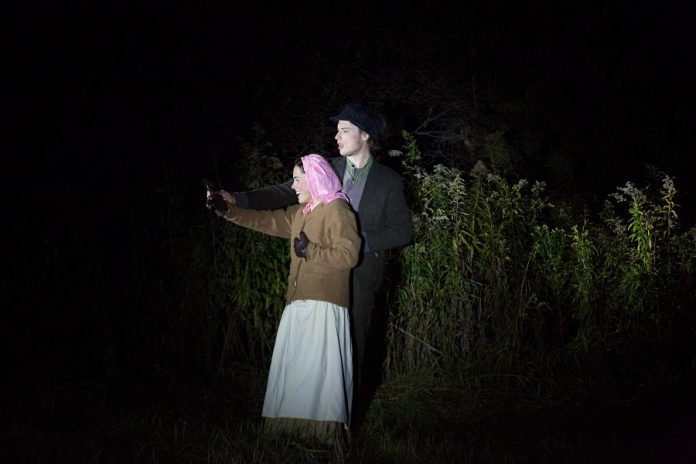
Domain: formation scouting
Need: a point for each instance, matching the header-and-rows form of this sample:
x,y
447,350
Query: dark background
x,y
111,103
115,111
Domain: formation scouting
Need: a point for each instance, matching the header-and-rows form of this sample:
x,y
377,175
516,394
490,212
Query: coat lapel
x,y
371,192
339,166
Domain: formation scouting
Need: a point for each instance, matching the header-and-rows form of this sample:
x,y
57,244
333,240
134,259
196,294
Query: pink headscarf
x,y
322,181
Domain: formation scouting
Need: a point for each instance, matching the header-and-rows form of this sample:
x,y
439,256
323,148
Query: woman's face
x,y
300,186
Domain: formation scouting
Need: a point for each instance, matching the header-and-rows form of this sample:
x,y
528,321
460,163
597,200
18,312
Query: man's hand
x,y
300,245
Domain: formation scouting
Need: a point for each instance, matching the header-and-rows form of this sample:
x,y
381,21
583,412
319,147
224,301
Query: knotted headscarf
x,y
322,181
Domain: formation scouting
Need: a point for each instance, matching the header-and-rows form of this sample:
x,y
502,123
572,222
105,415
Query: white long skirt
x,y
311,374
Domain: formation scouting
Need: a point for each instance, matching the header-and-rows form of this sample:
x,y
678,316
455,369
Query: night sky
x,y
110,101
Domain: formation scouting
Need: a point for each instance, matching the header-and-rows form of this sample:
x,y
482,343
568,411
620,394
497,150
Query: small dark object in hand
x,y
300,245
217,204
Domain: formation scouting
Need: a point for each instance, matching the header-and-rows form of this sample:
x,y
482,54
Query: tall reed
x,y
497,279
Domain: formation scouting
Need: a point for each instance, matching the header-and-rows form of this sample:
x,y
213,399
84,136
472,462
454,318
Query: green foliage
x,y
583,271
496,278
412,154
459,275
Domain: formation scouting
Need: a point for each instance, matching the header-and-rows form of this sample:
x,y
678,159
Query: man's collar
x,y
353,165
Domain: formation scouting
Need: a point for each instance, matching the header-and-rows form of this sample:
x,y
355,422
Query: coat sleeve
x,y
271,197
340,248
275,222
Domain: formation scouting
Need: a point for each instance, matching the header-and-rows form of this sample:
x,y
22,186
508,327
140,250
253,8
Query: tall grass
x,y
498,279
463,290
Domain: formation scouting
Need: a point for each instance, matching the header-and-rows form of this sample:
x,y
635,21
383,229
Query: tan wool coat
x,y
333,250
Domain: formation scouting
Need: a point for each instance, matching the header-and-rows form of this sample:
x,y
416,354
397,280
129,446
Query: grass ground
x,y
416,419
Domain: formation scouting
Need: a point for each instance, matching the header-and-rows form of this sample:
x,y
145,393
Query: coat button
x,y
294,283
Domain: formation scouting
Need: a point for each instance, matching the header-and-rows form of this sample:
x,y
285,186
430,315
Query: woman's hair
x,y
298,163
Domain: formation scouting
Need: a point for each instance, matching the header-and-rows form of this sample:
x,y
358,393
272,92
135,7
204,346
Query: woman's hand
x,y
300,245
229,198
216,203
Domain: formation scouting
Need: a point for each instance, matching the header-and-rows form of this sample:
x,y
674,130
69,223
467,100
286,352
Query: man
x,y
376,195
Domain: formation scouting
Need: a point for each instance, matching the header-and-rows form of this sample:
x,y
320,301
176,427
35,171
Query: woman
x,y
310,382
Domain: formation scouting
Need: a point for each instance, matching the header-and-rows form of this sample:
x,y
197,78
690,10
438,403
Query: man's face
x,y
299,185
349,138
